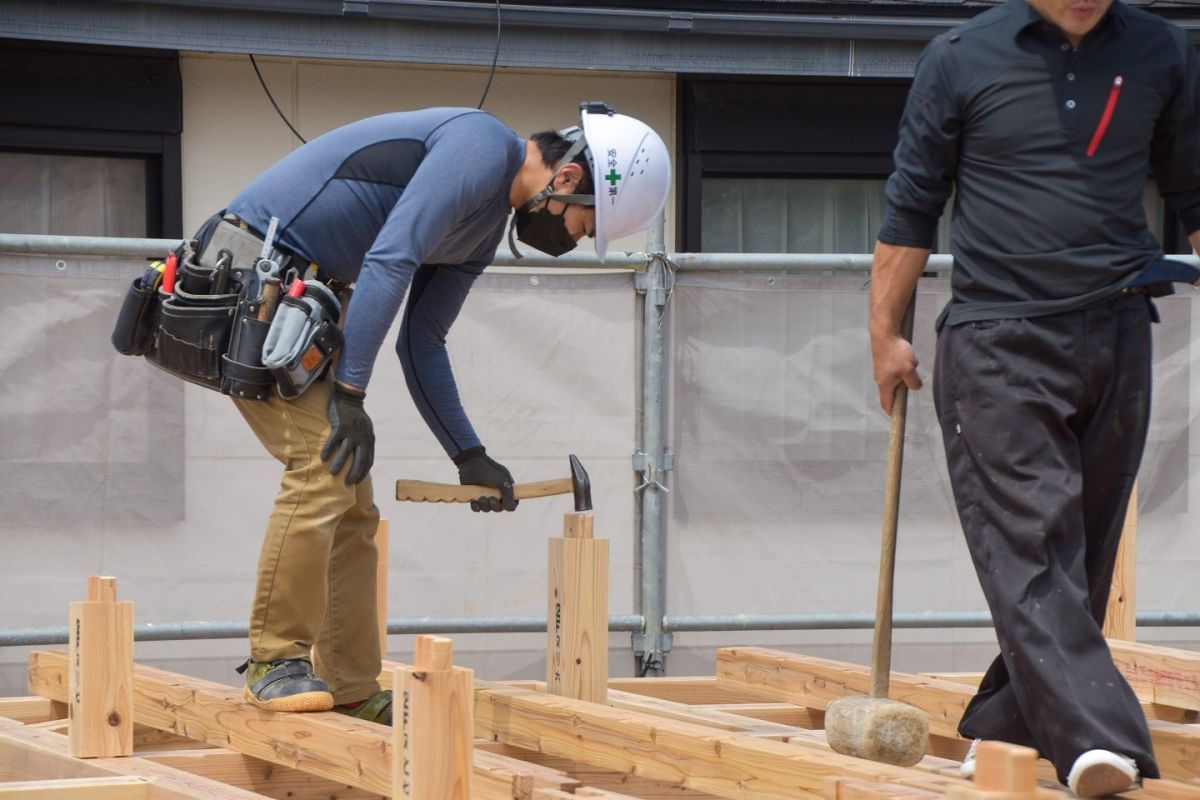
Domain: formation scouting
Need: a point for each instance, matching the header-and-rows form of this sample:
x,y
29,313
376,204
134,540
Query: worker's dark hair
x,y
553,147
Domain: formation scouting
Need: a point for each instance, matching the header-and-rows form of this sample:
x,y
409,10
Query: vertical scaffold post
x,y
652,461
100,674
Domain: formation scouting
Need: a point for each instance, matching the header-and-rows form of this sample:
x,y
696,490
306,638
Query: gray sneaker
x,y
287,684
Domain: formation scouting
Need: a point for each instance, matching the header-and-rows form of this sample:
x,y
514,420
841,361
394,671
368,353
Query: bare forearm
x,y
894,274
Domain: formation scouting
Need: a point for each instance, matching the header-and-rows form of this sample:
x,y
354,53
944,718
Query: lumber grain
x,y
336,747
29,754
807,680
692,756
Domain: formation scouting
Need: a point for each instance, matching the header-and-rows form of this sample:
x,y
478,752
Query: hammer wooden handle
x,y
430,492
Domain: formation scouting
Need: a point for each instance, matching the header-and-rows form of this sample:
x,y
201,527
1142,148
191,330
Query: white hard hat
x,y
631,172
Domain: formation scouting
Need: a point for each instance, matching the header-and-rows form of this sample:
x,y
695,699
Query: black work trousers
x,y
1044,422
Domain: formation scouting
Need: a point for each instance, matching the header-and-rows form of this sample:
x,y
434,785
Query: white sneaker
x,y
967,770
1100,772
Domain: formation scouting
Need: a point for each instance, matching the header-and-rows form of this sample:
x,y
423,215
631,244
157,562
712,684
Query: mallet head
x,y
877,728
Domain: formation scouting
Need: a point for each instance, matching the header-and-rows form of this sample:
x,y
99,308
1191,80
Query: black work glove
x,y
475,467
352,434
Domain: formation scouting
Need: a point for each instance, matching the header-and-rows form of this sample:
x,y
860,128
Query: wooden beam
x,y
1143,688
29,754
1167,790
845,789
693,756
944,753
1162,675
693,691
333,746
812,681
588,775
114,788
781,713
29,710
256,775
1120,616
719,720
577,609
807,680
100,683
432,744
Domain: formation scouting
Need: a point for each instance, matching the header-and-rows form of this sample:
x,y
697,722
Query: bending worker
x,y
410,202
1046,117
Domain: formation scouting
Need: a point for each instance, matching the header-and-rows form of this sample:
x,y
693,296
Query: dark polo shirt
x,y
1048,148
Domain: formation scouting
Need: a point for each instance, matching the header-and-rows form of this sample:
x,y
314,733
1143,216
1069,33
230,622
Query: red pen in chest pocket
x,y
1114,95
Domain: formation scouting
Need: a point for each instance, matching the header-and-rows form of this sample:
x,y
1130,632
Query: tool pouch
x,y
133,333
243,373
303,338
193,334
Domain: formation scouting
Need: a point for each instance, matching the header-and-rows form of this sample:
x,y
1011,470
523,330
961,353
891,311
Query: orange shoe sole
x,y
305,701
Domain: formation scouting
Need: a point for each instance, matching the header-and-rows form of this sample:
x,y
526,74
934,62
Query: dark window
x,y
70,114
785,166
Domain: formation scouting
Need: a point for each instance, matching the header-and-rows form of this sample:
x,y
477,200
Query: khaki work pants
x,y
316,573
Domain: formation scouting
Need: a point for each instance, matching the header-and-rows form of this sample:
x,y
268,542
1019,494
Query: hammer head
x,y
581,485
878,729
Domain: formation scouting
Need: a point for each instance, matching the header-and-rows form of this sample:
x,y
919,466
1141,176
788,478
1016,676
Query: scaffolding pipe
x,y
862,620
699,623
651,462
179,631
855,263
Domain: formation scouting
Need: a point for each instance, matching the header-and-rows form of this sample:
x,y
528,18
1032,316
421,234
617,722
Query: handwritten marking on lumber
x,y
407,744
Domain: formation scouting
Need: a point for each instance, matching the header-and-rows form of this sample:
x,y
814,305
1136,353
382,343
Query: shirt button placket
x,y
1070,115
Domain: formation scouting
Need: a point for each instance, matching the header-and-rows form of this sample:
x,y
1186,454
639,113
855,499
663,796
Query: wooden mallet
x,y
877,727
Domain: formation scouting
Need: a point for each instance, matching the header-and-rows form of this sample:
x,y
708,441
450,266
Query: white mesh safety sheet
x,y
780,454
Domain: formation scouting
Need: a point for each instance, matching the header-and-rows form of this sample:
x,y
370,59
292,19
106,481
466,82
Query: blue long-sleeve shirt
x,y
380,200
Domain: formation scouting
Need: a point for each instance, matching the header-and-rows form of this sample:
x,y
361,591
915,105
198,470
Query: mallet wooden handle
x,y
431,492
881,645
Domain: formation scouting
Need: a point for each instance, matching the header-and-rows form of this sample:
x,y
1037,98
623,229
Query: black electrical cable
x,y
270,97
495,58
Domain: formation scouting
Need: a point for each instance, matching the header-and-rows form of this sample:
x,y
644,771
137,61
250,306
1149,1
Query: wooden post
x,y
381,585
100,678
577,646
1120,618
1003,772
432,756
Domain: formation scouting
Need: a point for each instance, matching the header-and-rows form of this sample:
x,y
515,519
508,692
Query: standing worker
x,y
410,202
1046,117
